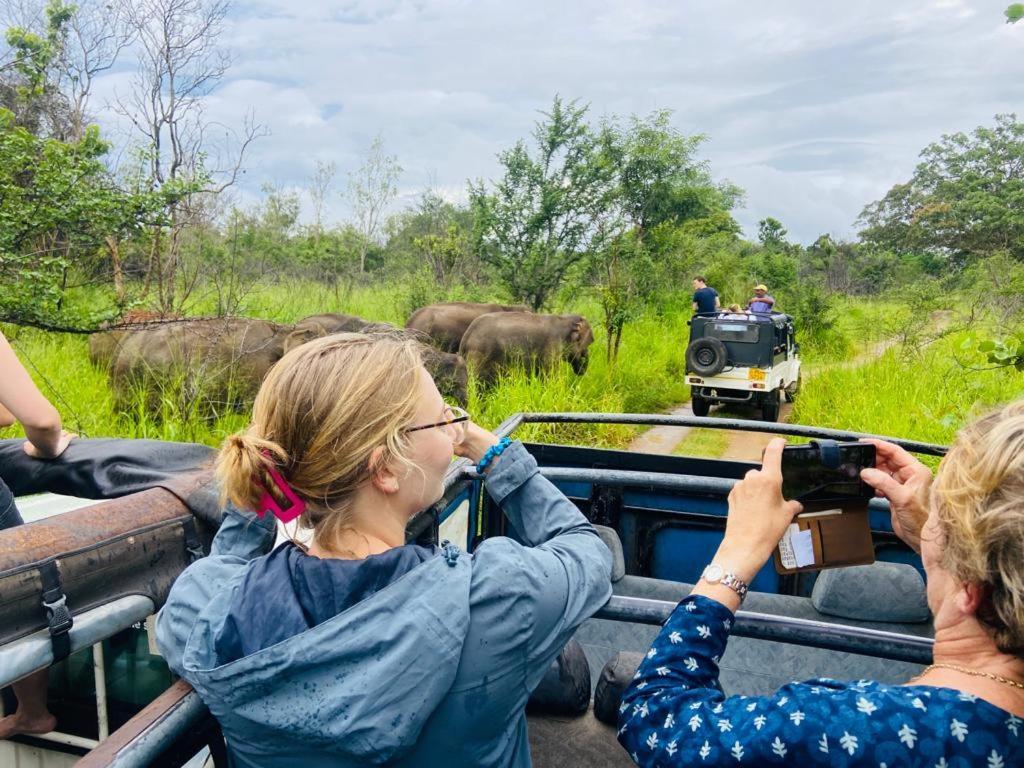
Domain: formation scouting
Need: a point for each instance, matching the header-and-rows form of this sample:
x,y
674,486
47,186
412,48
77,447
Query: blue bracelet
x,y
492,453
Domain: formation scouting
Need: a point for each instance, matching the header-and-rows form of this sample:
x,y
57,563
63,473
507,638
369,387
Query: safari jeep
x,y
750,359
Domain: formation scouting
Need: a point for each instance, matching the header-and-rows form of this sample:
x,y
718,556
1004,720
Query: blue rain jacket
x,y
433,669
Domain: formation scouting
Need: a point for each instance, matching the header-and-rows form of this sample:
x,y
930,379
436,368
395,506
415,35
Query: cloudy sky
x,y
814,108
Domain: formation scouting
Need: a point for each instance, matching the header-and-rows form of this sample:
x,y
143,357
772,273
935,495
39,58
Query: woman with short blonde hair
x,y
363,648
967,708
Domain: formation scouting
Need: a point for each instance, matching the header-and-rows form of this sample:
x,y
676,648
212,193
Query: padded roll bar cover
x,y
129,546
614,543
108,468
565,687
615,678
893,592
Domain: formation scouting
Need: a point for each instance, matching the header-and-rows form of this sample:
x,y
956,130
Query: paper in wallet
x,y
828,538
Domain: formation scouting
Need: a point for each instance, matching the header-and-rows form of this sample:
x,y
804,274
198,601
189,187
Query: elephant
x,y
337,322
104,345
445,324
216,362
496,340
448,370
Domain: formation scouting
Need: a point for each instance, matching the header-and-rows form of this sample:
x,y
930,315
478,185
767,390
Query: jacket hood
x,y
361,684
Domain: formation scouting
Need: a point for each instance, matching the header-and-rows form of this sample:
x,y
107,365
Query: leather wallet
x,y
826,539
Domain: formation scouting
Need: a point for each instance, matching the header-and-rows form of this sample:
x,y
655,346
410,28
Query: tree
x,y
965,199
58,204
660,178
179,63
772,234
58,56
551,207
370,190
319,184
1015,13
660,185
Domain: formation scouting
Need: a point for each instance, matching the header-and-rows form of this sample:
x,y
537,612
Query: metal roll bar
x,y
785,629
148,735
34,652
659,419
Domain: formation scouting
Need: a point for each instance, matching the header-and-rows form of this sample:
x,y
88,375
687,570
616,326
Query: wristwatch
x,y
716,574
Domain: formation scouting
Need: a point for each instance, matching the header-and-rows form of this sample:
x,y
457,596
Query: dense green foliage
x,y
58,208
965,199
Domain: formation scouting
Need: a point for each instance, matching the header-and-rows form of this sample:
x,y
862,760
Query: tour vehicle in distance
x,y
743,358
662,517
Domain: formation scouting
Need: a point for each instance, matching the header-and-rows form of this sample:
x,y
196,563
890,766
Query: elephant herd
x,y
222,361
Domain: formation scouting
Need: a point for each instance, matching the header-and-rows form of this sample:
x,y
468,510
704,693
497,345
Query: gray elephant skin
x,y
445,324
496,341
448,370
218,363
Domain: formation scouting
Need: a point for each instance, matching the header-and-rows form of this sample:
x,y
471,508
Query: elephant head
x,y
580,337
291,336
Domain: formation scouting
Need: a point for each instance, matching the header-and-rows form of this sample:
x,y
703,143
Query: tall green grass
x,y
926,395
923,394
648,375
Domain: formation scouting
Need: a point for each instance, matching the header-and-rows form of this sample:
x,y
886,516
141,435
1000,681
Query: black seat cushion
x,y
615,678
565,687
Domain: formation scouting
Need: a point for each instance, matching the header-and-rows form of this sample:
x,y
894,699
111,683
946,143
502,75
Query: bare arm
x,y
20,398
6,417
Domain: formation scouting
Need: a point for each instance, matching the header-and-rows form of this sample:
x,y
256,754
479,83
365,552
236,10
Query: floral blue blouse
x,y
674,713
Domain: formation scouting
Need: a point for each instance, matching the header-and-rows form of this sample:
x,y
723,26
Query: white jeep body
x,y
735,383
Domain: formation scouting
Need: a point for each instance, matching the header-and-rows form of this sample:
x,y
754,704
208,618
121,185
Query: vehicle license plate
x,y
756,374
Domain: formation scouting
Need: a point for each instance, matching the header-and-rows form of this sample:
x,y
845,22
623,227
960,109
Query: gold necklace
x,y
974,672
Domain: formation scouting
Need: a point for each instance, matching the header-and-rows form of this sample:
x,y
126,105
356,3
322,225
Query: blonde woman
x,y
966,709
365,649
21,401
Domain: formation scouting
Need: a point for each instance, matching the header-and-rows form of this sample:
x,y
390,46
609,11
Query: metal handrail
x,y
785,629
189,710
746,425
34,652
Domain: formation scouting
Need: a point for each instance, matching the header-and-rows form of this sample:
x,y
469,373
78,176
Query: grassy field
x,y
648,375
926,394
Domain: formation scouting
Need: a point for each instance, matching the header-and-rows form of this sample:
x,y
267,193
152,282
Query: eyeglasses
x,y
456,418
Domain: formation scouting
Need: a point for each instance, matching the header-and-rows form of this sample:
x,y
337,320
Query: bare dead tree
x,y
319,185
180,62
370,190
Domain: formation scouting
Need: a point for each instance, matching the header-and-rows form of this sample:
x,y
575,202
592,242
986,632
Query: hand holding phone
x,y
834,529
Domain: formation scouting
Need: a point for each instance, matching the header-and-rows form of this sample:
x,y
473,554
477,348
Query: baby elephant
x,y
495,341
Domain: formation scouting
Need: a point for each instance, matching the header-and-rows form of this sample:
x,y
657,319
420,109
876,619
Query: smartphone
x,y
815,479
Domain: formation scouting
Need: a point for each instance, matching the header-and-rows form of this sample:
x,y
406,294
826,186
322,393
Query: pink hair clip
x,y
268,503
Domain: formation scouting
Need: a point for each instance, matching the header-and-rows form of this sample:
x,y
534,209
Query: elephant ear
x,y
299,335
577,329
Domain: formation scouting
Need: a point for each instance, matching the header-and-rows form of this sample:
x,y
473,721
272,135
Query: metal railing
x,y
510,424
188,711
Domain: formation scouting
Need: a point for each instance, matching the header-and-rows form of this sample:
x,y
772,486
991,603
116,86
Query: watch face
x,y
713,573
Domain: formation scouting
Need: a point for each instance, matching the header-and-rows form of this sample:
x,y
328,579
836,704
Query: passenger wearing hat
x,y
761,302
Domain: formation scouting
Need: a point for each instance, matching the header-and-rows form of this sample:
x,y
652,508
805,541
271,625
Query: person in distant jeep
x,y
705,299
762,302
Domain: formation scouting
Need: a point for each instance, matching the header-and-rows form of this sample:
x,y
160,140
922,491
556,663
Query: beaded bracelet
x,y
492,453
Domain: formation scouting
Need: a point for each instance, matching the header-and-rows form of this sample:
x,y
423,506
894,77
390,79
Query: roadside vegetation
x,y
610,217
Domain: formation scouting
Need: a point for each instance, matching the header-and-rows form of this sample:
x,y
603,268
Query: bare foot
x,y
16,724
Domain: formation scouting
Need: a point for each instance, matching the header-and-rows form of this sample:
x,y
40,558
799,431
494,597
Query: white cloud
x,y
814,108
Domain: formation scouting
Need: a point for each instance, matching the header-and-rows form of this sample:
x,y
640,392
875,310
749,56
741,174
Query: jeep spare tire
x,y
706,357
